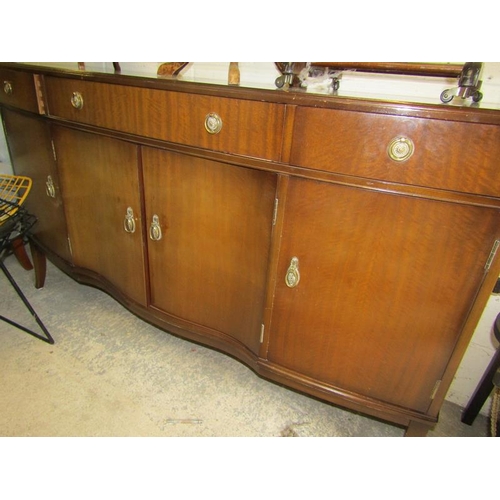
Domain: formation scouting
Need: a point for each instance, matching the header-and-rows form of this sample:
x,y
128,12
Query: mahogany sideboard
x,y
343,247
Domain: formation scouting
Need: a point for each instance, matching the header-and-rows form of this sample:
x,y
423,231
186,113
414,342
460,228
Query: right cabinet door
x,y
209,235
379,286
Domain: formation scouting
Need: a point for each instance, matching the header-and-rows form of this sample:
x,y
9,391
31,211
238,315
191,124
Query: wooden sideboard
x,y
342,247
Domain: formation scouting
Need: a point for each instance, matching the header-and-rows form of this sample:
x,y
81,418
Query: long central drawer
x,y
243,127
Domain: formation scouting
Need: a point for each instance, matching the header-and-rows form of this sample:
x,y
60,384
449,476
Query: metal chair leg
x,y
48,338
486,385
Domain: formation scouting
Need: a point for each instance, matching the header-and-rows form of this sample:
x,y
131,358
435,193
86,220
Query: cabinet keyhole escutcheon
x,y
49,187
77,100
7,87
292,277
129,223
155,229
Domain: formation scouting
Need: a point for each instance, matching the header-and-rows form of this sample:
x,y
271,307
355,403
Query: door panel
x,y
210,265
100,181
386,283
32,156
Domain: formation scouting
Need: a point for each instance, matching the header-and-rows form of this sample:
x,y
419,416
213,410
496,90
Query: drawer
x,y
447,155
18,89
249,128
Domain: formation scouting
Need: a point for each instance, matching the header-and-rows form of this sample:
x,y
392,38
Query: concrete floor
x,y
111,374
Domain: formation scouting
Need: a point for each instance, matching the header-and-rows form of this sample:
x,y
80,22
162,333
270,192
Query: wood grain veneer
x,y
448,155
30,148
23,94
379,295
392,255
249,128
100,180
210,266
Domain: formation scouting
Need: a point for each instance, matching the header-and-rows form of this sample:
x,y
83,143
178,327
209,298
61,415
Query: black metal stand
x,y
486,385
48,338
18,226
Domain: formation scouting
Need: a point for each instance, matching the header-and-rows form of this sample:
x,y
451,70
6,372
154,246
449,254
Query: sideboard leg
x,y
417,429
20,253
40,265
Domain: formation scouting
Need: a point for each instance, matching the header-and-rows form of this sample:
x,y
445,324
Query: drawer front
x,y
248,128
17,88
447,155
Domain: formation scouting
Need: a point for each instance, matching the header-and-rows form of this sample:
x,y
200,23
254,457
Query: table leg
x,y
19,250
417,429
40,265
482,392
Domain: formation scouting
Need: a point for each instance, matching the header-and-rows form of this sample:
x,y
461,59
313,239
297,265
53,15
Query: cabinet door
x,y
32,156
208,265
386,283
100,184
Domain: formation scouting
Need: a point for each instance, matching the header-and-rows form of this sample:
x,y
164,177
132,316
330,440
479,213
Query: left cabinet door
x,y
100,184
32,156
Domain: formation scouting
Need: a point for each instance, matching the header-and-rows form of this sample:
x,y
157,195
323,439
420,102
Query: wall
x,y
477,357
483,344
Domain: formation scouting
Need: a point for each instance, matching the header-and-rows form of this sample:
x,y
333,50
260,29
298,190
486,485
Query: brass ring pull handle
x,y
7,87
213,123
155,229
77,100
292,277
129,222
49,187
400,149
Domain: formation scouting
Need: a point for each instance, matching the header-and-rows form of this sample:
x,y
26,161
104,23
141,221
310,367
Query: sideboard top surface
x,y
464,111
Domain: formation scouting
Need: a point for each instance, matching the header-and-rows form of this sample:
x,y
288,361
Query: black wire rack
x,y
16,223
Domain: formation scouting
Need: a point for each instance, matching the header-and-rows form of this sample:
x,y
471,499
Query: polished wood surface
x,y
32,156
391,255
379,295
448,155
467,113
39,263
100,180
19,251
210,265
249,128
23,94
